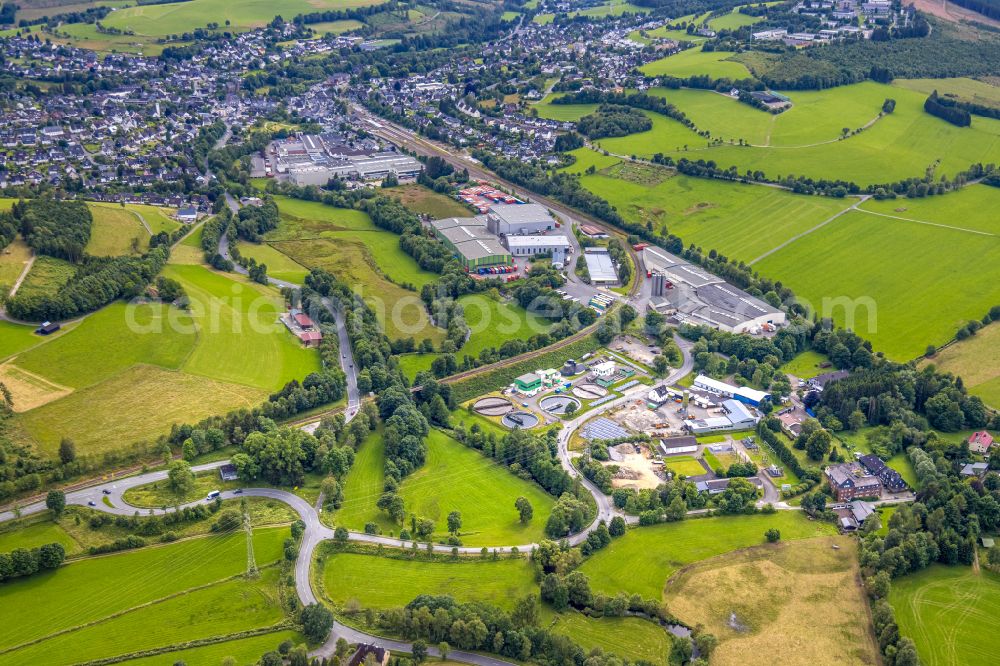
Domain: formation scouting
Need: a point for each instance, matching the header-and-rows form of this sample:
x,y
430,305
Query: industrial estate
x,y
555,332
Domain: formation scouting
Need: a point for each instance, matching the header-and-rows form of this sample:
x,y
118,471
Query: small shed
x,y
47,328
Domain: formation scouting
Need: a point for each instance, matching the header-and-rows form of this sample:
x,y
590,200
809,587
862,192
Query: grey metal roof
x,y
515,214
600,267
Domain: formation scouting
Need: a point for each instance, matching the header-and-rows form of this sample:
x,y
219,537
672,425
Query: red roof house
x,y
980,442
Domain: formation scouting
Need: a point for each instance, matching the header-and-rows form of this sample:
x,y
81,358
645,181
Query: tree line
x,y
55,228
947,110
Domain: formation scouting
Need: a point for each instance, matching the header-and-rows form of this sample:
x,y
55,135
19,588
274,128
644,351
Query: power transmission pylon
x,y
252,571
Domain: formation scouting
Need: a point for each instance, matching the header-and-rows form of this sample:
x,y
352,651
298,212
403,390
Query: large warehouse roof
x,y
537,241
600,266
480,248
515,214
451,222
457,235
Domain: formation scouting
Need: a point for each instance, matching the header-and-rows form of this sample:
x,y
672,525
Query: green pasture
x,y
116,231
414,364
973,208
897,268
631,638
643,560
15,338
120,335
977,361
806,365
178,18
685,465
279,265
159,218
806,139
336,27
93,589
454,478
390,582
562,112
349,245
244,650
34,535
493,322
694,61
733,20
220,609
739,221
946,610
967,89
236,320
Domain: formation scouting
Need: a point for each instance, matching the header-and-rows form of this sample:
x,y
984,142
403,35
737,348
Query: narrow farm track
x,y
930,224
819,226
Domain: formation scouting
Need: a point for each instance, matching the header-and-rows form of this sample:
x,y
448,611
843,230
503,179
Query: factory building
x,y
689,294
735,416
529,246
468,238
600,266
742,393
519,219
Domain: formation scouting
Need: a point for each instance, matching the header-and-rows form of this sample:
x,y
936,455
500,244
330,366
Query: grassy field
x,y
806,139
944,610
797,602
643,560
685,465
977,361
691,62
425,201
739,221
335,27
348,244
628,637
964,88
116,231
46,276
178,18
889,256
454,478
34,535
244,650
92,598
279,265
12,261
174,365
610,9
383,582
733,20
572,112
159,218
236,320
806,365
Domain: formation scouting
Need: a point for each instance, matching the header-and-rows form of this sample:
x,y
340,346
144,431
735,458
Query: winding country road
x,y
316,532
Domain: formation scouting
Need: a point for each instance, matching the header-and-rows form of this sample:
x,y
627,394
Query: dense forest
x,y
989,8
947,110
613,120
57,228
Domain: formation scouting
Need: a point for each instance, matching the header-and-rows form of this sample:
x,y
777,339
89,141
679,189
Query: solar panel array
x,y
603,428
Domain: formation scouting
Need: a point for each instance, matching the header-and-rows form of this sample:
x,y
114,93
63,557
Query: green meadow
x,y
739,221
34,535
348,244
898,268
977,361
694,61
654,553
116,231
389,582
454,478
135,600
946,611
628,637
178,18
243,650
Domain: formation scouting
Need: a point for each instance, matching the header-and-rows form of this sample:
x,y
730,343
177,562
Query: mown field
x,y
178,18
806,365
977,361
792,603
348,244
946,610
454,478
609,9
806,139
173,365
909,284
150,598
739,221
641,561
370,581
694,61
116,231
243,650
